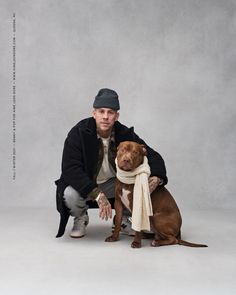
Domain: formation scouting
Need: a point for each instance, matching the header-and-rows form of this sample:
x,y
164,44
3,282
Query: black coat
x,y
80,158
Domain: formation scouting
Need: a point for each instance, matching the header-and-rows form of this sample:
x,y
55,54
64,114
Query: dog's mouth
x,y
125,166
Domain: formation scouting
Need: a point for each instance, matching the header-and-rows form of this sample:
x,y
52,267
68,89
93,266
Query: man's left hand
x,y
153,183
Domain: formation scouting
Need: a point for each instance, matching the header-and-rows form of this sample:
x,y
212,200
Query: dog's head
x,y
130,155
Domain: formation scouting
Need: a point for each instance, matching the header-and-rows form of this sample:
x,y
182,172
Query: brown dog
x,y
166,220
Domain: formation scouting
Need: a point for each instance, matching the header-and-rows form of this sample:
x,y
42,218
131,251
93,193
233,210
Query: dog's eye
x,y
122,150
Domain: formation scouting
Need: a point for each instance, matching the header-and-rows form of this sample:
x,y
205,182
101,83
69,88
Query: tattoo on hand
x,y
102,201
105,207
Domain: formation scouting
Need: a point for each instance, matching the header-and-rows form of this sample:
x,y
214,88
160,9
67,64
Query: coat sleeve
x,y
155,161
73,166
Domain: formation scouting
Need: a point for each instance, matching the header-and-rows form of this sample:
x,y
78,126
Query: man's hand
x,y
153,183
105,210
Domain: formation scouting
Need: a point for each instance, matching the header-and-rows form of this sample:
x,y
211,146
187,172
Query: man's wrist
x,y
161,181
94,194
98,197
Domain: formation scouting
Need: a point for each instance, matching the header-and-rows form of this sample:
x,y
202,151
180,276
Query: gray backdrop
x,y
173,64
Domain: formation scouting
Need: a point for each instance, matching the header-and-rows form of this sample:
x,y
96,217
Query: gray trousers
x,y
77,205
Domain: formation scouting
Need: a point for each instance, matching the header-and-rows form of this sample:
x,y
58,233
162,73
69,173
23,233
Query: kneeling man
x,y
88,165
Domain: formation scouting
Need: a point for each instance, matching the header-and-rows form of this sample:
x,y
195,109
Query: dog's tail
x,y
188,244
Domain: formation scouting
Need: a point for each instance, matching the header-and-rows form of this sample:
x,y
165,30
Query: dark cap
x,y
106,98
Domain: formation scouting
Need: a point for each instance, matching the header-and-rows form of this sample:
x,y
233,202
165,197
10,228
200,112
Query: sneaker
x,y
125,226
127,230
79,228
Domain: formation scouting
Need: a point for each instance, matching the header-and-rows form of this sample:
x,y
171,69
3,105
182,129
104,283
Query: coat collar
x,y
120,132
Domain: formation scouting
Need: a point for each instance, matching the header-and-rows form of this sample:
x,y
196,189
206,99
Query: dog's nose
x,y
126,160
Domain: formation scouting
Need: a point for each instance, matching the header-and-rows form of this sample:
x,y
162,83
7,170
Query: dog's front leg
x,y
118,221
137,240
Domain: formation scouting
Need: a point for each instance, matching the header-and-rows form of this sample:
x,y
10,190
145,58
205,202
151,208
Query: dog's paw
x,y
136,244
154,243
111,239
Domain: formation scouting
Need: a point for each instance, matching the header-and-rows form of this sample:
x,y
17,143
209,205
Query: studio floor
x,y
33,261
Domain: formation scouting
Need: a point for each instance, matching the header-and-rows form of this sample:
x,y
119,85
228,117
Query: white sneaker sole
x,y
77,237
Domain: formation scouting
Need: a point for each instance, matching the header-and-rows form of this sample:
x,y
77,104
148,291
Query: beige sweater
x,y
106,172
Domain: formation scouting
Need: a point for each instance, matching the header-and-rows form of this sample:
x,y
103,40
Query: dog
x,y
166,220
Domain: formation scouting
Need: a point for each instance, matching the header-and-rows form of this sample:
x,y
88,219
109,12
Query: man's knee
x,y
74,202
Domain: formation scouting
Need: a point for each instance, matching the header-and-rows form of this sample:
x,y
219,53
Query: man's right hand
x,y
105,210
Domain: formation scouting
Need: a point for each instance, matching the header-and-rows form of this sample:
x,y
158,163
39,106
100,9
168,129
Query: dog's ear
x,y
118,147
144,150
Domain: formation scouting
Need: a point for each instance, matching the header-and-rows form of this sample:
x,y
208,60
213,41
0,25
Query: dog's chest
x,y
125,199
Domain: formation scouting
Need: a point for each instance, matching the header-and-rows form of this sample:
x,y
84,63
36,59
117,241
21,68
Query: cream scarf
x,y
142,206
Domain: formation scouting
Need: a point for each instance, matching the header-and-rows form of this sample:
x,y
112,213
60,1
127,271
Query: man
x,y
88,164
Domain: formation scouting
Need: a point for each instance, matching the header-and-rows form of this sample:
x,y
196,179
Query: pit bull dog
x,y
166,220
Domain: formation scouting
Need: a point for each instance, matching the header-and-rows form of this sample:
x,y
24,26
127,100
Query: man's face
x,y
105,119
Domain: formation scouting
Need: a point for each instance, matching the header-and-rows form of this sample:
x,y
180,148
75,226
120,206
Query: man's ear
x,y
93,113
144,150
117,116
